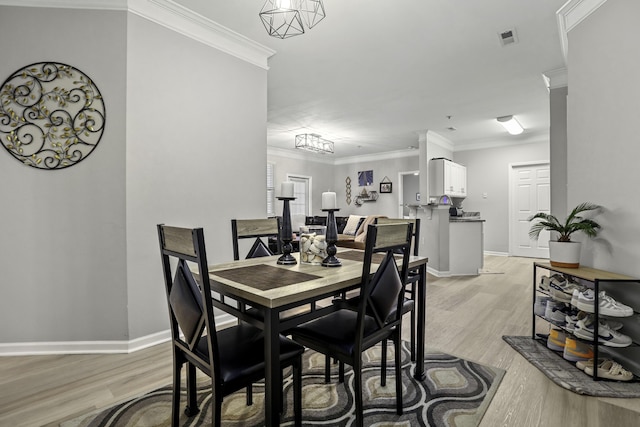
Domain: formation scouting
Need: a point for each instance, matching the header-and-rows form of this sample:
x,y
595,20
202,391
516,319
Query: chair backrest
x,y
190,310
416,230
256,229
384,292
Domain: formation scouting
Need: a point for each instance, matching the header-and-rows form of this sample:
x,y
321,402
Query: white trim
x,y
485,143
439,140
177,18
377,156
554,79
297,154
96,347
571,14
400,190
438,273
496,253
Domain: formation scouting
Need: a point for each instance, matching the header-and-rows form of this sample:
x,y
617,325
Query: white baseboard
x,y
496,253
96,347
438,273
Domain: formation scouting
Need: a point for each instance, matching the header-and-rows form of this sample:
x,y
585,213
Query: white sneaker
x,y
572,319
607,305
585,327
610,370
556,312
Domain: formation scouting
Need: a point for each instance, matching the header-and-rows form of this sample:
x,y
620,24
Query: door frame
x,y
512,200
401,190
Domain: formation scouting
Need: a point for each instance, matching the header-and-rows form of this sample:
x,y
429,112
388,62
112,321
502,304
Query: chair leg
x,y
297,392
398,350
249,395
357,390
175,396
412,342
327,369
341,372
383,364
216,408
192,393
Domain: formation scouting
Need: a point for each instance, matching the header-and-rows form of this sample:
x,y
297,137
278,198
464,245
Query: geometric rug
x,y
456,393
565,374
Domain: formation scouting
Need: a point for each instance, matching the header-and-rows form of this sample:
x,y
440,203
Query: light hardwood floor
x,y
466,316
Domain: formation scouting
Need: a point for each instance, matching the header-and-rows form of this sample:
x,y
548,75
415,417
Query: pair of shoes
x,y
607,305
575,350
545,281
556,339
540,305
562,290
557,312
584,329
610,370
582,364
572,319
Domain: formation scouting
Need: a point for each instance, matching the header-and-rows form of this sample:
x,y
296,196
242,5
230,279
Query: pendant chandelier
x,y
313,142
288,18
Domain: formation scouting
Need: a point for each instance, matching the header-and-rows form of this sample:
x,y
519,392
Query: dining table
x,y
281,297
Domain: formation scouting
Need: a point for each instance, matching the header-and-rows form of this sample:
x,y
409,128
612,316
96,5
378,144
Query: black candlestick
x,y
287,234
332,239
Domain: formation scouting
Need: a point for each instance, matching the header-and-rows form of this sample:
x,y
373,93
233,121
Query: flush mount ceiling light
x,y
511,125
284,18
313,142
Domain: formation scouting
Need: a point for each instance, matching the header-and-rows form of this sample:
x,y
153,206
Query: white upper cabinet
x,y
447,178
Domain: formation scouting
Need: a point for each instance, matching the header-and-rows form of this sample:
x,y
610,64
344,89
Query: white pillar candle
x,y
329,200
286,189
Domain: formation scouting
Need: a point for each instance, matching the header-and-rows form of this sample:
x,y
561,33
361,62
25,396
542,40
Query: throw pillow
x,y
352,225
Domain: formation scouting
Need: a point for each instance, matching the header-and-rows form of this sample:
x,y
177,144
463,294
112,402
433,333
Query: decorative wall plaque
x,y
52,115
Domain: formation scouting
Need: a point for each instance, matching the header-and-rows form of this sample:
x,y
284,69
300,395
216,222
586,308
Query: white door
x,y
530,193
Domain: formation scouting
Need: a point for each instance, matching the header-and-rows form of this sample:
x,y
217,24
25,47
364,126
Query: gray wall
x,y
603,148
558,151
79,249
63,245
387,204
488,172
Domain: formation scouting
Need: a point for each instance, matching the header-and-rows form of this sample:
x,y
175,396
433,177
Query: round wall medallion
x,y
52,115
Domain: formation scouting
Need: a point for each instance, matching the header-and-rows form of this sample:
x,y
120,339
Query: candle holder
x,y
332,239
287,233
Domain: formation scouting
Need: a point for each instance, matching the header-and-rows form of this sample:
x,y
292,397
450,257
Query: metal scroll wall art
x,y
52,115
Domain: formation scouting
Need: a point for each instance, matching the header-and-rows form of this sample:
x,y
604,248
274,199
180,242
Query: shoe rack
x,y
616,285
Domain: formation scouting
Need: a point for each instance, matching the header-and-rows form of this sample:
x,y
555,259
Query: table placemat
x,y
264,277
359,256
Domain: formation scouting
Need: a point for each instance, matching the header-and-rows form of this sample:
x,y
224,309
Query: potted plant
x,y
563,252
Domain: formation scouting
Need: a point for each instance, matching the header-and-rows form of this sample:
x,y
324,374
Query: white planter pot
x,y
564,254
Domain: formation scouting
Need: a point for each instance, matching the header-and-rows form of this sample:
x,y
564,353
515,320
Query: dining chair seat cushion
x,y
242,353
336,331
352,304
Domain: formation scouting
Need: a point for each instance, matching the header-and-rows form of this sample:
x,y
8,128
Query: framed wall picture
x,y
386,187
365,178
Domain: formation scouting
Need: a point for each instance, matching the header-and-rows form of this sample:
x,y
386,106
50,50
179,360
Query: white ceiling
x,y
374,74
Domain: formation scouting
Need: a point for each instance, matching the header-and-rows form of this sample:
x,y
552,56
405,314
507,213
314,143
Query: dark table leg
x,y
419,373
273,389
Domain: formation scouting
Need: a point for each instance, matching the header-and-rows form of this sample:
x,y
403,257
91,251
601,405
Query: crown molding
x,y
554,79
174,17
376,157
297,154
439,140
492,143
571,14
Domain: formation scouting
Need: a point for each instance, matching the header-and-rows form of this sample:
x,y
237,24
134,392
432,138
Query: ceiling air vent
x,y
508,37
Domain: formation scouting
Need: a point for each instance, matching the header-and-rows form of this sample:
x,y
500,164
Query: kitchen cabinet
x,y
447,178
466,247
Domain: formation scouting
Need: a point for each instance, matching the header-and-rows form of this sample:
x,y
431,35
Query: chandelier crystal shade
x,y
284,18
313,142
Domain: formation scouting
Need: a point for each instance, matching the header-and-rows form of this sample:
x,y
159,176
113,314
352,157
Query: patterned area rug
x,y
455,393
565,374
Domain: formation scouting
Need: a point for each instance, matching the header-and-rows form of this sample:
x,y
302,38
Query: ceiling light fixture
x,y
511,124
313,142
284,18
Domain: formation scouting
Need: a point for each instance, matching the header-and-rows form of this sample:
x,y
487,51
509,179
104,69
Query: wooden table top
x,y
262,281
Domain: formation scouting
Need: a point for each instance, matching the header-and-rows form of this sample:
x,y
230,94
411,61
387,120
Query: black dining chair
x,y
258,229
233,357
346,333
413,276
